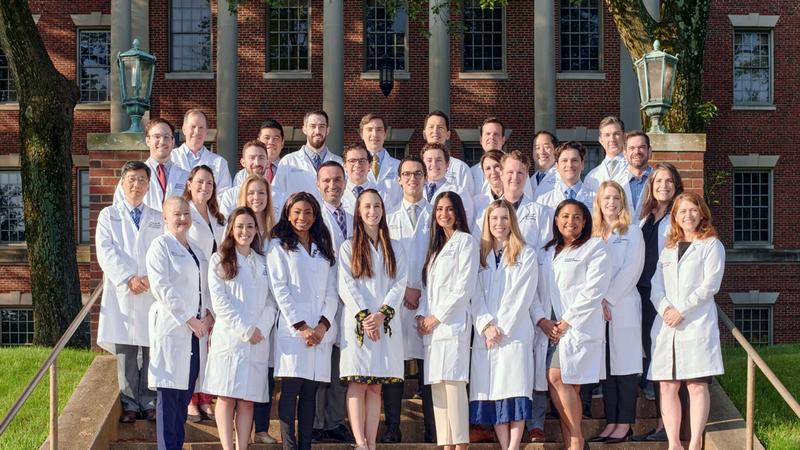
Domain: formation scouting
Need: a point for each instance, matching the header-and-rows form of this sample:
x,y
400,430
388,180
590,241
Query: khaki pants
x,y
451,412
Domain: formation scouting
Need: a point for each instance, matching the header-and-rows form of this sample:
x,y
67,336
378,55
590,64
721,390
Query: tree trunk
x,y
46,102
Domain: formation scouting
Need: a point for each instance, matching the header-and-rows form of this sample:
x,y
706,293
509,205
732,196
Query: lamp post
x,y
136,69
656,73
386,74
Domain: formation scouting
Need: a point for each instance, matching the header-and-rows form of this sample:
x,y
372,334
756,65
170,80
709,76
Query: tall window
x,y
755,322
16,326
385,35
580,35
83,205
751,206
190,36
94,65
12,223
483,38
8,89
287,36
752,67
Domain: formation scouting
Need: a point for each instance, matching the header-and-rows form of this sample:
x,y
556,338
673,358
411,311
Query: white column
x,y
333,72
544,70
120,41
227,143
439,57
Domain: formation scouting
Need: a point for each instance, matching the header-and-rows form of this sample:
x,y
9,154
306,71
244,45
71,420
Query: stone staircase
x,y
141,435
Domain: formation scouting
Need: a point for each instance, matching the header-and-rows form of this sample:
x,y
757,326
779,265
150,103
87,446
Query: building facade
x,y
542,64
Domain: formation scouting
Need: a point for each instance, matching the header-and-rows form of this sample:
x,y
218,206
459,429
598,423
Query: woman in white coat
x,y
302,269
573,282
206,233
501,375
236,371
622,310
491,184
372,281
256,194
449,275
686,346
179,321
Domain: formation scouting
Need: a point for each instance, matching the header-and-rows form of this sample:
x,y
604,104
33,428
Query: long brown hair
x,y
704,229
228,266
515,242
319,233
268,214
649,203
438,238
361,260
624,219
213,207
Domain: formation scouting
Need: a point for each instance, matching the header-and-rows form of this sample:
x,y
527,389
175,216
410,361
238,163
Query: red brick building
x,y
564,73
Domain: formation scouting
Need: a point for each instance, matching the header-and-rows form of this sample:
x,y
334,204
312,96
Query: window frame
x,y
22,241
80,207
396,145
770,321
504,44
583,74
770,103
281,73
770,194
17,308
399,74
78,32
11,81
182,74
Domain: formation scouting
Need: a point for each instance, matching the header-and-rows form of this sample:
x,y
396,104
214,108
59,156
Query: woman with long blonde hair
x,y
502,367
622,311
256,194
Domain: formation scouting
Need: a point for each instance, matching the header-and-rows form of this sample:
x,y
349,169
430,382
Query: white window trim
x,y
101,105
404,74
488,74
756,22
288,74
584,75
189,75
757,299
94,19
758,163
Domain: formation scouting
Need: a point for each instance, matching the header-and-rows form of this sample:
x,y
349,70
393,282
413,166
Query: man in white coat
x,y
124,233
193,152
569,164
271,135
356,166
614,166
383,168
544,153
297,171
492,135
329,420
436,159
167,179
255,162
437,131
637,153
409,224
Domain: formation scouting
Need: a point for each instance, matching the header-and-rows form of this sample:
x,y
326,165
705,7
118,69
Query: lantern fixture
x,y
136,68
386,71
656,73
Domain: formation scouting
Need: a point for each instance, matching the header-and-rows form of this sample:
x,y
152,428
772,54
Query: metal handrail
x,y
51,363
753,360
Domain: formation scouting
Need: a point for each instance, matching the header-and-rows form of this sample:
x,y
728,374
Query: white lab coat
x,y
556,195
228,200
184,159
349,198
386,182
176,184
383,358
548,183
242,173
625,264
176,283
200,235
540,309
459,175
688,285
337,238
304,286
414,241
121,253
535,222
296,173
575,282
465,196
450,286
236,368
503,297
603,171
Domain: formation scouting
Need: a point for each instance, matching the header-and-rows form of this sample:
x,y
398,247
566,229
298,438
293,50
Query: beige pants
x,y
451,412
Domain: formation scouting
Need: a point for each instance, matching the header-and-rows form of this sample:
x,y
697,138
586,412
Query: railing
x,y
51,363
753,360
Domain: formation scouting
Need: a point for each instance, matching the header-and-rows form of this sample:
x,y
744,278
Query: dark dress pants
x,y
171,406
300,395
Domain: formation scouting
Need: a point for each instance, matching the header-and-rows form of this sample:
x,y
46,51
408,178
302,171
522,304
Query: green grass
x,y
776,425
17,366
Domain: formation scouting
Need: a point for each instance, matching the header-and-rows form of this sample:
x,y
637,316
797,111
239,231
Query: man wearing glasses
x,y
356,165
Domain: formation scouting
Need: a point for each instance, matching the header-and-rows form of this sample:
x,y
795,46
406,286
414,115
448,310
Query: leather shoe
x,y
657,436
536,435
316,435
128,417
391,435
626,438
430,435
598,439
339,434
150,415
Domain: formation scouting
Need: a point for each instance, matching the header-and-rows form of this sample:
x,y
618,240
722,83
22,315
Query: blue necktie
x,y
429,190
539,177
136,215
571,194
357,190
340,220
316,161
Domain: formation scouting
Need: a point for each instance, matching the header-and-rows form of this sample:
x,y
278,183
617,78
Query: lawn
x,y
18,364
776,425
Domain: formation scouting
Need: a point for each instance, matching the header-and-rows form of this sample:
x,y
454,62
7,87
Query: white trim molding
x,y
94,19
754,161
754,298
753,20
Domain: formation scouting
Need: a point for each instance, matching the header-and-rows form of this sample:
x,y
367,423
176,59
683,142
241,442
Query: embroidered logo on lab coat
x,y
179,255
572,259
155,225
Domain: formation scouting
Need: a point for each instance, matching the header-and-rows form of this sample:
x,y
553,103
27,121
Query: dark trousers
x,y
171,406
261,411
619,392
393,401
297,394
586,398
648,317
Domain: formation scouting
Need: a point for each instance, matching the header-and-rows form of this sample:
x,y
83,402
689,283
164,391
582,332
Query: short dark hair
x,y
272,123
611,120
316,113
489,120
636,133
131,166
413,159
369,117
553,138
438,113
353,148
571,145
156,121
331,163
519,156
496,155
436,146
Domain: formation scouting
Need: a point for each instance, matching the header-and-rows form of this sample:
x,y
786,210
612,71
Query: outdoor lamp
x,y
656,73
386,69
136,69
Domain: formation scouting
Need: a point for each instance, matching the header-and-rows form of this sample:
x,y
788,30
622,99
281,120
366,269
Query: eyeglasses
x,y
134,180
357,161
407,175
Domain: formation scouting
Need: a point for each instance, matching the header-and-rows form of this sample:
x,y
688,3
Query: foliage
x,y
713,181
777,427
30,427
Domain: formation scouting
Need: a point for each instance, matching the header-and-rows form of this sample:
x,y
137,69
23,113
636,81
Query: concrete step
x,y
545,446
412,431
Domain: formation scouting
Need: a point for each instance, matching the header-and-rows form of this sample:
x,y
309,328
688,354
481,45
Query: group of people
x,y
329,272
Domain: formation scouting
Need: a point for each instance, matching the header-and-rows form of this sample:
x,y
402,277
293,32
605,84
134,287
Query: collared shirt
x,y
576,187
311,153
331,209
194,157
153,163
637,184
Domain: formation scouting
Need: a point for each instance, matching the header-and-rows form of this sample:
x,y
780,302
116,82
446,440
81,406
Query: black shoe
x,y
339,434
598,439
391,435
657,436
626,438
317,435
430,435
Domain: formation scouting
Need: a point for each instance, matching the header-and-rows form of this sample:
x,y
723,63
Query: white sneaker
x,y
264,438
